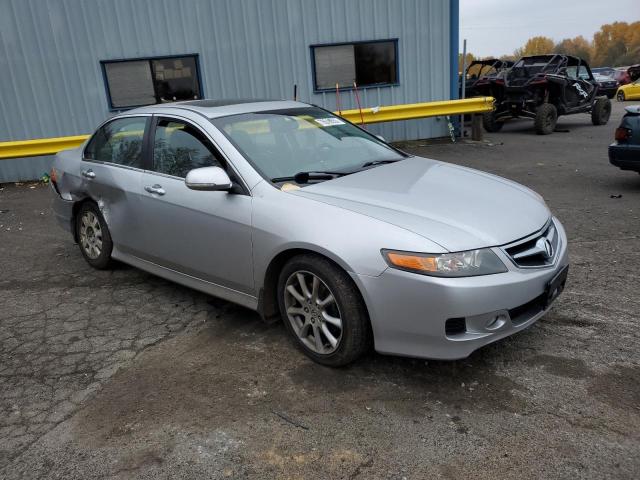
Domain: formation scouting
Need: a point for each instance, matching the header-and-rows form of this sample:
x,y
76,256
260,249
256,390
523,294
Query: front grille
x,y
538,250
455,326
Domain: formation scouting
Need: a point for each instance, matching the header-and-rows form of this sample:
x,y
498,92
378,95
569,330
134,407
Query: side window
x,y
179,147
118,142
572,72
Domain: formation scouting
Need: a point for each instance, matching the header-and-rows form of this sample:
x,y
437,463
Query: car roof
x,y
220,108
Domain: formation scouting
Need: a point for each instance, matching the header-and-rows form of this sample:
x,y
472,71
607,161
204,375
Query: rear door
x,y
111,172
202,234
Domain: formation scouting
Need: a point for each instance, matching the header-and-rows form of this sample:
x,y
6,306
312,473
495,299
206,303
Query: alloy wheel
x,y
313,312
90,235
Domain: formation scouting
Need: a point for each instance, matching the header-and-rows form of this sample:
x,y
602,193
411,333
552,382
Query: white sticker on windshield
x,y
329,122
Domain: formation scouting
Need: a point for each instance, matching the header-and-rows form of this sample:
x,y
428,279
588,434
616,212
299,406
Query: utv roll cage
x,y
528,67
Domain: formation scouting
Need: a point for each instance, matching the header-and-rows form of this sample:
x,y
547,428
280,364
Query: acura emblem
x,y
544,246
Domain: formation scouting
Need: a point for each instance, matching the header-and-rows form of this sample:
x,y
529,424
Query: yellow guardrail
x,y
392,113
413,111
41,146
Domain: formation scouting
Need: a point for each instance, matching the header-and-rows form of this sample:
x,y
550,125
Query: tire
x,y
546,119
93,236
601,111
620,97
305,317
490,124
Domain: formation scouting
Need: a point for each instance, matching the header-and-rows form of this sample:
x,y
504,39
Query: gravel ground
x,y
120,374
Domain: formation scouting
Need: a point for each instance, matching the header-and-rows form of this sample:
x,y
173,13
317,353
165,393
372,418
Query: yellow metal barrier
x,y
412,111
42,146
392,113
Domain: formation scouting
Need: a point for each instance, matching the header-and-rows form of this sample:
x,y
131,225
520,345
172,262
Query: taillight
x,y
622,134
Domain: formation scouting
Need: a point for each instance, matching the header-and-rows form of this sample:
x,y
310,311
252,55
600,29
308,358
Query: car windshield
x,y
283,143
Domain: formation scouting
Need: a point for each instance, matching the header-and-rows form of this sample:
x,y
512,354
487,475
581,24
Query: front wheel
x,y
546,119
620,97
490,124
601,111
323,310
93,235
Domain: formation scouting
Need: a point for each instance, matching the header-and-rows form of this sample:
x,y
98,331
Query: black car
x,y
606,71
543,87
625,151
606,85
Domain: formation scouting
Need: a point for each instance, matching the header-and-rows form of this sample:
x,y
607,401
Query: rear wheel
x,y
620,96
94,238
323,311
546,119
601,111
490,124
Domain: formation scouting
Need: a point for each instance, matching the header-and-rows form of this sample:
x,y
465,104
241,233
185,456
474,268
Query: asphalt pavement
x,y
120,374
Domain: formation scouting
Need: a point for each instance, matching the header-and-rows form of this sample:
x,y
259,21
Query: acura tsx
x,y
292,211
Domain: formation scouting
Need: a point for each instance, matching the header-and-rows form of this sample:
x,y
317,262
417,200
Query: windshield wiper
x,y
304,177
377,162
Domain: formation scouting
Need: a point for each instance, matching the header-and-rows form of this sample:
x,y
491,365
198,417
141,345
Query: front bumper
x,y
409,312
625,156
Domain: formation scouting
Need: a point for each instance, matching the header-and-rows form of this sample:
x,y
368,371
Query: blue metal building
x,y
66,65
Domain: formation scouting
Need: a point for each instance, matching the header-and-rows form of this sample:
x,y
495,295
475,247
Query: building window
x,y
147,81
369,64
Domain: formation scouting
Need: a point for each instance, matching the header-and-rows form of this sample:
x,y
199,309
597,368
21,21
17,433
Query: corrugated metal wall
x,y
51,83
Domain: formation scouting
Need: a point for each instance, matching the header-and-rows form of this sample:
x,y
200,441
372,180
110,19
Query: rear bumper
x,y
625,156
409,312
62,210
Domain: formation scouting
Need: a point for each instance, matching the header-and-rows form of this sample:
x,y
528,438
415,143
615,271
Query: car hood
x,y
456,207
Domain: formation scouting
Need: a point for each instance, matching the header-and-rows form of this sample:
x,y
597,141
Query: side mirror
x,y
212,179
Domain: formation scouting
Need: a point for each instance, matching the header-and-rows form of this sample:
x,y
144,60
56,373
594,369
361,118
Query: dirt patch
x,y
619,388
562,366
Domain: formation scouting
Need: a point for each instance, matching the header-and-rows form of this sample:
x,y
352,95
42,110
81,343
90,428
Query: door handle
x,y
157,189
88,173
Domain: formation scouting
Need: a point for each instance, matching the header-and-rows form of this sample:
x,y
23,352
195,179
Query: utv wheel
x,y
323,311
601,111
490,124
546,119
620,97
94,238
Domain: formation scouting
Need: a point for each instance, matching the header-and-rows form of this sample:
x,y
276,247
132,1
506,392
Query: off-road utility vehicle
x,y
543,87
479,72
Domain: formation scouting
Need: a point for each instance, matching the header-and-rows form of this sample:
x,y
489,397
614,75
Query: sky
x,y
498,27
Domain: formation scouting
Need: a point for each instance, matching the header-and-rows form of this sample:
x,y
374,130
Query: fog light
x,y
496,322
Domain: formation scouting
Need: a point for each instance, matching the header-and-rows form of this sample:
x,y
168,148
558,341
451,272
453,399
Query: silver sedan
x,y
294,212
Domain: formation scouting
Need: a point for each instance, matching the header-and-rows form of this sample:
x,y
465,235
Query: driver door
x,y
581,86
201,234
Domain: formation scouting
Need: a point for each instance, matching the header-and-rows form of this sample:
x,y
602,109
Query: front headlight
x,y
459,264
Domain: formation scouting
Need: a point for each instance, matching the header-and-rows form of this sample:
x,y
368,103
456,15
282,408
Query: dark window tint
x,y
179,148
118,142
375,63
366,63
132,83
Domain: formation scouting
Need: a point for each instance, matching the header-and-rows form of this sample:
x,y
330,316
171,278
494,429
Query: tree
x,y
470,58
578,46
535,46
617,43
